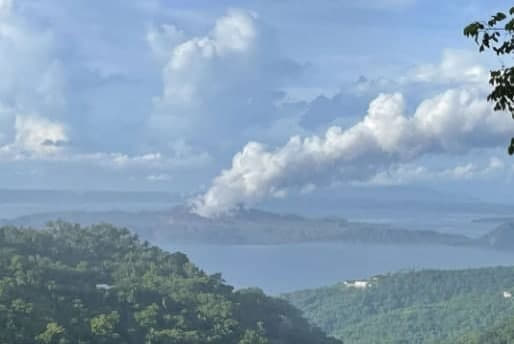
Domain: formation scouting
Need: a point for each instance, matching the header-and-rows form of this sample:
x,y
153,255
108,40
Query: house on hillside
x,y
357,284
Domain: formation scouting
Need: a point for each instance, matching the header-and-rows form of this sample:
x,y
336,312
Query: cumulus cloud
x,y
164,39
32,84
220,86
455,121
35,138
456,66
190,64
38,135
32,76
154,92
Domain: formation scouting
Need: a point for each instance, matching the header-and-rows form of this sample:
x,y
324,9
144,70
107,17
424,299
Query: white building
x,y
357,284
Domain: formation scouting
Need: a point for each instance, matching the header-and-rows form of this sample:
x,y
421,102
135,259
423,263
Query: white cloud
x,y
455,121
32,83
221,87
204,78
114,160
462,172
495,164
35,137
212,86
398,175
163,40
186,75
121,160
413,173
456,66
39,135
41,140
149,160
31,75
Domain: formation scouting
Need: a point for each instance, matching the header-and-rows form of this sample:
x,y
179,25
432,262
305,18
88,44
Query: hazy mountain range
x,y
376,216
251,226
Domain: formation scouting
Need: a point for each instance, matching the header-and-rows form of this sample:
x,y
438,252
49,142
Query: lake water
x,y
282,268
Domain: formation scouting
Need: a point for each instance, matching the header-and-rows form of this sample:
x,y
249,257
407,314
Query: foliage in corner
x,y
497,34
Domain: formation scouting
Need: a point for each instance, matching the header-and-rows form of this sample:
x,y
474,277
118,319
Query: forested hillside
x,y
499,334
414,307
100,284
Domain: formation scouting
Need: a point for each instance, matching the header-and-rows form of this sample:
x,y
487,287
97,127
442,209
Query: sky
x,y
240,102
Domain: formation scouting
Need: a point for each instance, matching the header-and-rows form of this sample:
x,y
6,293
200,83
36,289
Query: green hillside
x,y
100,284
412,307
499,334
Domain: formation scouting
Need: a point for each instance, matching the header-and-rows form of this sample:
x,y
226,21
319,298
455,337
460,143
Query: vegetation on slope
x,y
501,334
100,284
414,307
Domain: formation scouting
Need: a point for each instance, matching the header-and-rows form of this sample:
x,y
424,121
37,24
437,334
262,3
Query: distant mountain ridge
x,y
246,226
502,237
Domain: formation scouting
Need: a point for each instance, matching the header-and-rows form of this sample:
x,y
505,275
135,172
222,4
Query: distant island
x,y
251,226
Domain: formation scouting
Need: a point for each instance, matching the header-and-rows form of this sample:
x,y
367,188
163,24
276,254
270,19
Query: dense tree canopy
x,y
424,307
500,334
497,34
100,284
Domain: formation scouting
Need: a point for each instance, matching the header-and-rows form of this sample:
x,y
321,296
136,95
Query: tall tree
x,y
497,34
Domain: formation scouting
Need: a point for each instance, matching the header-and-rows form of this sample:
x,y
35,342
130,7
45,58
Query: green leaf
x,y
500,16
510,25
472,29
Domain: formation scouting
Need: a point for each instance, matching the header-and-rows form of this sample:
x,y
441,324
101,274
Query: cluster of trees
x,y
100,284
500,334
412,307
497,34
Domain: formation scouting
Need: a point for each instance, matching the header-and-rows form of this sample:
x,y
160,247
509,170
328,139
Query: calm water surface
x,y
282,268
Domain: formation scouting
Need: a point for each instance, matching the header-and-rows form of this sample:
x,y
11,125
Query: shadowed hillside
x,y
100,284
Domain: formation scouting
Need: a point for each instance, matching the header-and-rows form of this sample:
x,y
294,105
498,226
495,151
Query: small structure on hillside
x,y
104,286
357,284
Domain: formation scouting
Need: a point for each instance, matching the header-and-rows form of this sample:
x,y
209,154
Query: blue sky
x,y
164,95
